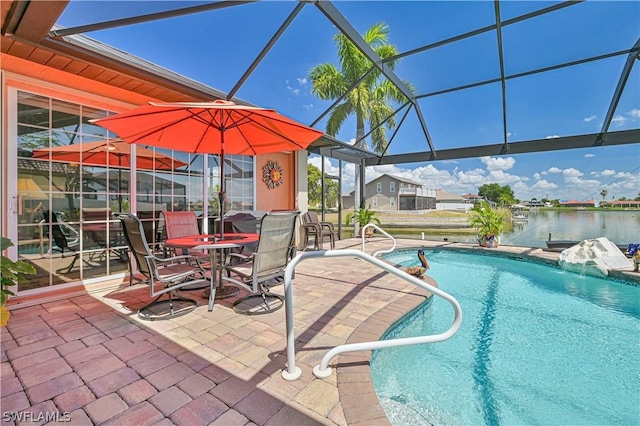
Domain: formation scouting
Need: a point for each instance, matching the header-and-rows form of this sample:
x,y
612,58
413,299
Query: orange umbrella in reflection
x,y
113,153
218,127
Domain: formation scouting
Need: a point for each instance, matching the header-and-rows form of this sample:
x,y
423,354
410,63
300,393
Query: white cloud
x,y
571,173
554,170
537,176
635,113
494,163
307,106
552,137
302,81
607,172
502,178
589,155
293,90
618,120
544,184
590,118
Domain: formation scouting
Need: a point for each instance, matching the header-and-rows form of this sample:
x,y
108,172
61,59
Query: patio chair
x,y
320,230
63,243
182,224
245,223
174,273
266,264
185,224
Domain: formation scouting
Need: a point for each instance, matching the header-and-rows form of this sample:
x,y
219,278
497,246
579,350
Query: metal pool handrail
x,y
323,370
373,225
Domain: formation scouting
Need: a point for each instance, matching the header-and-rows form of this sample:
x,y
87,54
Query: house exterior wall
x,y
383,199
280,197
446,205
63,88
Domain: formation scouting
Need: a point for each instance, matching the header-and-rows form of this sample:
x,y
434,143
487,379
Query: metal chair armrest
x,y
190,270
186,258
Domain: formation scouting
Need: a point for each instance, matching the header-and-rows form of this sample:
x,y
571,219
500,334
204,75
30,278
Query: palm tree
x,y
368,100
603,194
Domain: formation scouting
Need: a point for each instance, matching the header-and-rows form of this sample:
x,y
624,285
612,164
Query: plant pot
x,y
4,315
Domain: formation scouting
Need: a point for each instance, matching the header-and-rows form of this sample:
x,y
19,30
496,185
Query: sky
x,y
217,47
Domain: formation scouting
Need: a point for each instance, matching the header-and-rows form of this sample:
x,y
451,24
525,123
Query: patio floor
x,y
91,357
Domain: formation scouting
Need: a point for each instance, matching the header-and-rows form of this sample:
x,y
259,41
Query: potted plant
x,y
362,217
487,222
10,274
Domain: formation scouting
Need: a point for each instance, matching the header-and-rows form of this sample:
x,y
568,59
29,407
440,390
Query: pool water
x,y
537,345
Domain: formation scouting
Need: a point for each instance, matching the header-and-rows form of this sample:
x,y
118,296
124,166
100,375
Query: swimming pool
x,y
537,345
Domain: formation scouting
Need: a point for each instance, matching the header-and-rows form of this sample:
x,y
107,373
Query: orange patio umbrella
x,y
219,127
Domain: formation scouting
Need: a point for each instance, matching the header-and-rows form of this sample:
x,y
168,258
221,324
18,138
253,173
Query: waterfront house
x,y
627,204
576,203
388,192
448,201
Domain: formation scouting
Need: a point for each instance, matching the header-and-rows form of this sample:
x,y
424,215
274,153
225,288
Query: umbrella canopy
x,y
218,127
113,153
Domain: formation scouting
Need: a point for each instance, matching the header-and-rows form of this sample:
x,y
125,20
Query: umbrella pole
x,y
223,292
221,193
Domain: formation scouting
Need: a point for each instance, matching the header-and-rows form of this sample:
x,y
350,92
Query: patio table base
x,y
222,293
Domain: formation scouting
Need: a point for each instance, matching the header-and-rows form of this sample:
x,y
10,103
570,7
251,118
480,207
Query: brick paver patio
x,y
92,361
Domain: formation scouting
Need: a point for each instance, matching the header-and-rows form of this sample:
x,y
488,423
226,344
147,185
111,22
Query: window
x,y
85,192
374,202
379,187
392,202
392,187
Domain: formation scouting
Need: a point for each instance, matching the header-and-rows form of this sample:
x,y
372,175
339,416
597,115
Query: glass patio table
x,y
212,243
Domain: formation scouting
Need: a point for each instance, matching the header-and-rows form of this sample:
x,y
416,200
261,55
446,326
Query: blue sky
x,y
217,47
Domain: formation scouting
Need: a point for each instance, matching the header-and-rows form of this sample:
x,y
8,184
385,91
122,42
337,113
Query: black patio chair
x,y
173,273
265,266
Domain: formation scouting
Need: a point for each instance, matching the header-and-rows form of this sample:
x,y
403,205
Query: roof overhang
x,y
330,147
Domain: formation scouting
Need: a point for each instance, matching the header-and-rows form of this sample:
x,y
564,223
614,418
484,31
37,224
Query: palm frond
x,y
337,117
327,82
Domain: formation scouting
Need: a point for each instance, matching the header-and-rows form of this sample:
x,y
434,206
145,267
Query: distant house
x,y
534,203
621,203
576,203
448,201
475,198
388,192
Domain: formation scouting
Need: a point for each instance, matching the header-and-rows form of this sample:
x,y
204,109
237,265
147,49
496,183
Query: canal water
x,y
621,227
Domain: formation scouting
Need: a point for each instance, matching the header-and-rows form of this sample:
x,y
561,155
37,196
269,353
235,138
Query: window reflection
x,y
85,192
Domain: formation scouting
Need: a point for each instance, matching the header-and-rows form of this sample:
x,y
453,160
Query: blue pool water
x,y
537,345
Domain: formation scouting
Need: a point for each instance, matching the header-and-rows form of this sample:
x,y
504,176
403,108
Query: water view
x,y
621,227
